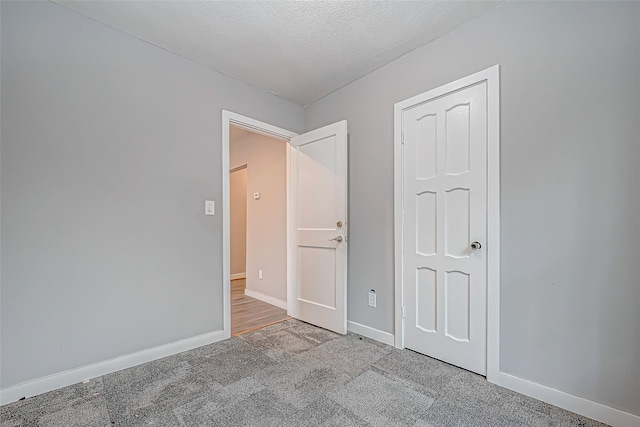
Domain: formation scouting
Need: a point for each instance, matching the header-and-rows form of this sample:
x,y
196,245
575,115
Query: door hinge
x,y
404,312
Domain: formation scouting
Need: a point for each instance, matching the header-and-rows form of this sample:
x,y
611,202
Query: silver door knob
x,y
475,246
337,239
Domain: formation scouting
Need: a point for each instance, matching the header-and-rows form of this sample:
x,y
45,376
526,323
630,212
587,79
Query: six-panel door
x,y
445,212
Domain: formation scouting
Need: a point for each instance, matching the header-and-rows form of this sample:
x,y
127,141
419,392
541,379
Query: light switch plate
x,y
209,207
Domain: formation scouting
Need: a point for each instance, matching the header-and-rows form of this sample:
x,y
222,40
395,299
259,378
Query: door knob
x,y
475,246
337,239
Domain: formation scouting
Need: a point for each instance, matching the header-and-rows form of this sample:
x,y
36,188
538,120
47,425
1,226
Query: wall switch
x,y
260,274
256,196
209,207
372,298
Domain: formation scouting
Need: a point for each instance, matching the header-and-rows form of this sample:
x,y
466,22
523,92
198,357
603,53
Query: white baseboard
x,y
74,376
236,276
579,405
266,298
369,332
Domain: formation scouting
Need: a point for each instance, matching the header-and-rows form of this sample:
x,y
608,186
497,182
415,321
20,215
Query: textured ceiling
x,y
298,50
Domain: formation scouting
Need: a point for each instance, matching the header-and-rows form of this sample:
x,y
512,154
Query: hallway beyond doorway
x,y
248,314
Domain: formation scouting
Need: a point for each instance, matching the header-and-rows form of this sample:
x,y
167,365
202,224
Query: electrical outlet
x,y
372,298
260,274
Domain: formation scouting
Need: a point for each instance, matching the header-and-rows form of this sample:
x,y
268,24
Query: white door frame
x,y
492,78
229,118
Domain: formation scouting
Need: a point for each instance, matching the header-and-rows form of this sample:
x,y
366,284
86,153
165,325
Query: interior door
x,y
445,227
319,227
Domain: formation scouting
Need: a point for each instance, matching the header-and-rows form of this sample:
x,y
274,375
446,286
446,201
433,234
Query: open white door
x,y
318,294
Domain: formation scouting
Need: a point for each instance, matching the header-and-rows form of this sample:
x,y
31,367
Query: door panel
x,y
444,208
316,176
316,269
426,225
319,204
456,219
456,295
426,299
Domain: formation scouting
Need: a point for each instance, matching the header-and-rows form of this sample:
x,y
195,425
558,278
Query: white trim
x,y
369,332
226,228
289,247
229,118
398,259
578,405
266,298
493,221
237,276
492,77
84,373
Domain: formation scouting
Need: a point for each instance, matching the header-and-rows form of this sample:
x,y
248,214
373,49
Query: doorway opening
x,y
255,161
315,218
258,229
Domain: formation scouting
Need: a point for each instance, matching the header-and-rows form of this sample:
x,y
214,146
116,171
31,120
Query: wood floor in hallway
x,y
248,314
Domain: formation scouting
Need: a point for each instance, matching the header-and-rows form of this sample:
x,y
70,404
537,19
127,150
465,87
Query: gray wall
x,y
570,190
238,221
109,148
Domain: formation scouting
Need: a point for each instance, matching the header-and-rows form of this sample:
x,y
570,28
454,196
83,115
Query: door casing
x,y
229,118
492,78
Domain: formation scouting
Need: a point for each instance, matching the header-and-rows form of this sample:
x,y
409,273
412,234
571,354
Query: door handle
x,y
475,246
337,239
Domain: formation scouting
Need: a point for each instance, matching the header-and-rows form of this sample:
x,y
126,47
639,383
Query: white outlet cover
x,y
209,207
